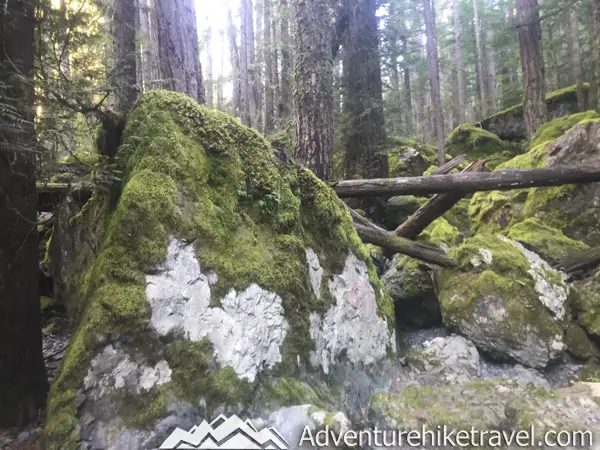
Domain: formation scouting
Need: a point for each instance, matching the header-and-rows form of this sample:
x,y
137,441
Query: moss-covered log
x,y
503,180
404,246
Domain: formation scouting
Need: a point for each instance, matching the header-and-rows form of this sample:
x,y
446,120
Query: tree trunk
x,y
404,246
269,70
364,133
236,68
276,86
491,68
244,70
407,89
178,48
576,63
149,41
434,79
125,72
220,93
459,61
257,121
597,48
504,180
479,62
285,105
209,69
535,111
313,87
251,63
23,383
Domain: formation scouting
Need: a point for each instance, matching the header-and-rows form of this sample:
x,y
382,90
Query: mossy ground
x,y
196,173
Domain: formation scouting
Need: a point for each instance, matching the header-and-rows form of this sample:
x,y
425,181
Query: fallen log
x,y
435,207
466,183
404,246
452,164
580,262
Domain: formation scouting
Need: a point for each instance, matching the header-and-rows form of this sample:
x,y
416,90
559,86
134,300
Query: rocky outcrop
x,y
489,405
225,280
507,300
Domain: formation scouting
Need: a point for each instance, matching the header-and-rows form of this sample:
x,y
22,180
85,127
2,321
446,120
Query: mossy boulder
x,y
508,125
410,284
579,344
221,269
400,208
505,299
486,405
586,305
407,157
476,143
441,233
550,243
573,209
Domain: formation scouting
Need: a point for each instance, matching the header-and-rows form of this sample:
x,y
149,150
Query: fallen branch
x,y
50,194
435,207
452,164
466,183
404,246
580,262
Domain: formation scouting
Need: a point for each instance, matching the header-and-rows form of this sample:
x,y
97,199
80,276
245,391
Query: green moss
x,y
474,141
440,232
557,127
46,302
550,243
430,170
196,173
398,145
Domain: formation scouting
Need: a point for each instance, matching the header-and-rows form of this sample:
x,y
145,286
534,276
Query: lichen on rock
x,y
211,234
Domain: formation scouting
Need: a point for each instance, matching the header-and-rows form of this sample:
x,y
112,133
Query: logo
x,y
225,433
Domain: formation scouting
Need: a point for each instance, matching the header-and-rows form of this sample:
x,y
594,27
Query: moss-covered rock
x,y
586,304
477,143
557,127
407,157
400,208
550,243
509,125
211,234
441,233
579,344
486,405
506,300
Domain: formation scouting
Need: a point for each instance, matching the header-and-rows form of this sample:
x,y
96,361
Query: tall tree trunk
x,y
220,93
258,67
209,69
251,64
434,78
313,87
23,383
491,67
269,70
178,47
459,62
364,133
275,63
124,79
244,69
285,105
237,74
479,62
149,41
535,111
407,88
576,63
396,122
597,49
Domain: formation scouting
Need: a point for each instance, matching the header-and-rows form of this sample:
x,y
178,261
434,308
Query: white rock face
x,y
246,331
552,295
486,256
315,271
114,369
352,325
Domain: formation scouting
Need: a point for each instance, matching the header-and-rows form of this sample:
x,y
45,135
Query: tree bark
x,y
313,87
407,89
535,111
178,48
459,61
125,72
220,93
209,69
465,183
285,105
269,70
597,49
236,69
404,246
244,71
479,62
434,79
23,383
576,62
149,40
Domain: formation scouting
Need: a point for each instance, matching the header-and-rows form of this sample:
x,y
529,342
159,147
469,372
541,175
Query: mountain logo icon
x,y
225,433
